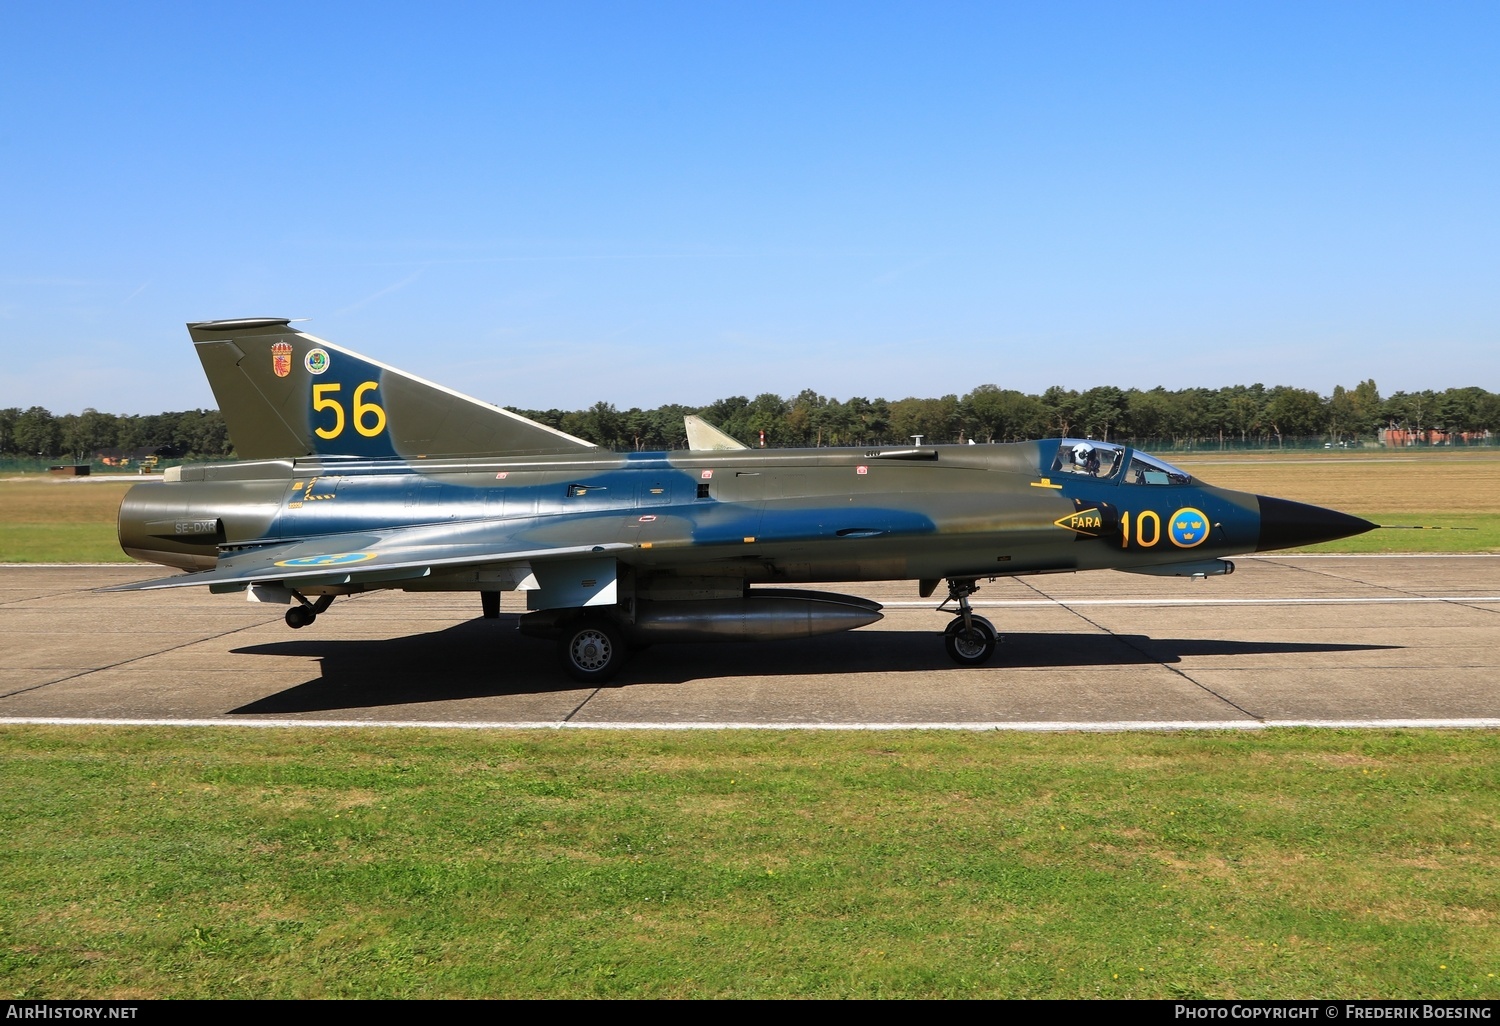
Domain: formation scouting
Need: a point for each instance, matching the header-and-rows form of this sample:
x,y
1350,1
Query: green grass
x,y
1456,532
298,863
60,543
50,520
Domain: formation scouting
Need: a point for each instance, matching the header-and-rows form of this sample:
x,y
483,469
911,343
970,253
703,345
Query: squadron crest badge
x,y
316,361
281,359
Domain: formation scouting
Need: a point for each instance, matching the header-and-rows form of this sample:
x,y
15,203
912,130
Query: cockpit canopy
x,y
1105,461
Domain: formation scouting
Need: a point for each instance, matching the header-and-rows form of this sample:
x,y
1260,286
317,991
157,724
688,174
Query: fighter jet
x,y
354,476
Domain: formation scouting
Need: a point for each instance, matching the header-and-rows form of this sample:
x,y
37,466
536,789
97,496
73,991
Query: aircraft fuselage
x,y
351,483
795,515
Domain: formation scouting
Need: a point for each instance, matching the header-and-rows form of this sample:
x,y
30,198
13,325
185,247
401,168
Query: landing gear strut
x,y
970,639
305,612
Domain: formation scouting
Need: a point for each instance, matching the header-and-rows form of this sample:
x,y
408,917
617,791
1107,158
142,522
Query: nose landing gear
x,y
305,612
969,639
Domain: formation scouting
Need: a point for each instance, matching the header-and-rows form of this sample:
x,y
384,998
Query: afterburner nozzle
x,y
1285,524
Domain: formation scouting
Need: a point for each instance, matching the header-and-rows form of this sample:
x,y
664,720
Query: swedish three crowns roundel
x,y
1188,528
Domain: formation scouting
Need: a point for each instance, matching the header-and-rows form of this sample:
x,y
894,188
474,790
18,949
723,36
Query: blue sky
x,y
547,205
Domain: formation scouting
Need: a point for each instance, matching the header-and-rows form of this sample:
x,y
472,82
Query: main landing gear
x,y
970,639
305,612
592,649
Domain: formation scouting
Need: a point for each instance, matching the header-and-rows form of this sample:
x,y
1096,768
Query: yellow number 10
x,y
1143,518
369,418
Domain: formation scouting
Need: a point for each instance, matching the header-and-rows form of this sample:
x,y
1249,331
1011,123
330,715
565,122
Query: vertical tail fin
x,y
703,435
286,393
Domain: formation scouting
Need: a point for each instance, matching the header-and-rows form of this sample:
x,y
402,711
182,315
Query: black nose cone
x,y
1285,525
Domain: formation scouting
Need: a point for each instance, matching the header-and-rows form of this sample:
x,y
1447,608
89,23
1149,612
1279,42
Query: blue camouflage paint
x,y
367,501
1231,525
348,373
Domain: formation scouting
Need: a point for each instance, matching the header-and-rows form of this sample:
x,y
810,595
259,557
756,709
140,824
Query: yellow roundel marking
x,y
1188,528
333,559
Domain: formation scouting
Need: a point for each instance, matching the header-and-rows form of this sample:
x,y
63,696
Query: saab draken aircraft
x,y
354,476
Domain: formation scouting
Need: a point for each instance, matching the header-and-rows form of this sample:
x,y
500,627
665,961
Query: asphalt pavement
x,y
1288,639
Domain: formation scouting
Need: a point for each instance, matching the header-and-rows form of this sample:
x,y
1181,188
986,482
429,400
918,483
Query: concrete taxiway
x,y
1288,639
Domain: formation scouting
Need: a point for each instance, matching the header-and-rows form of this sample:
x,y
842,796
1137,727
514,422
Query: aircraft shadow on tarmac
x,y
489,658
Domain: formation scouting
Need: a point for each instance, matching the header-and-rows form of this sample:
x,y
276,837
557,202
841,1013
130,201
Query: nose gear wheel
x,y
969,639
970,644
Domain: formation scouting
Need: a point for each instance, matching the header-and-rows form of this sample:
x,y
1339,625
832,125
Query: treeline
x,y
37,433
1241,414
1244,414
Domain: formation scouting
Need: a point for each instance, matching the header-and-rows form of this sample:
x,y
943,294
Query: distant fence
x,y
1304,444
1157,445
96,468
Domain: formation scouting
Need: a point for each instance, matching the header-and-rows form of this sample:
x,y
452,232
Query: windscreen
x,y
1149,470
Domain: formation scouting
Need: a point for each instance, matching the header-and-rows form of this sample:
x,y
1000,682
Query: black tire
x,y
592,649
973,646
299,617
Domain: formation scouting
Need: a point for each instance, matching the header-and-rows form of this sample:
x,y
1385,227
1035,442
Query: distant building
x,y
1397,437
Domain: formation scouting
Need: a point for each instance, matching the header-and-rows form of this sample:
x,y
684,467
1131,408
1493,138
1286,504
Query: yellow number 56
x,y
369,418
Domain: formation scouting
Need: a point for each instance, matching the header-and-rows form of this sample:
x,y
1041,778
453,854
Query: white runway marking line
x,y
1082,726
1399,600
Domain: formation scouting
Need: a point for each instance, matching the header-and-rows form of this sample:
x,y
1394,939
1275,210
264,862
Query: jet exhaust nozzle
x,y
157,525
